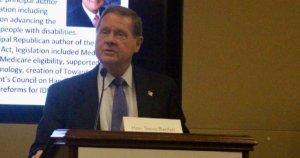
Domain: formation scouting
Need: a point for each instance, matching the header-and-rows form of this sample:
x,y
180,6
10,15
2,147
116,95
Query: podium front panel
x,y
84,152
66,143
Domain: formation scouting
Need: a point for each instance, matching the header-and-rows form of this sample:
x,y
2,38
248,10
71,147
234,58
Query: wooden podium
x,y
102,144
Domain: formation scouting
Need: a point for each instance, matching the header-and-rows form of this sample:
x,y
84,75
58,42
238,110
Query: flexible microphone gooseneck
x,y
103,73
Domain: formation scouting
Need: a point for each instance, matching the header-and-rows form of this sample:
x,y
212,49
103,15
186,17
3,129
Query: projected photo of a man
x,y
86,13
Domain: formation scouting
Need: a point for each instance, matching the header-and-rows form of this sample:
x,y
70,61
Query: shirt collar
x,y
127,76
89,13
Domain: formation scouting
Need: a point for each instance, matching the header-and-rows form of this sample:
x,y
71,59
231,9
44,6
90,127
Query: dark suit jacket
x,y
72,103
78,17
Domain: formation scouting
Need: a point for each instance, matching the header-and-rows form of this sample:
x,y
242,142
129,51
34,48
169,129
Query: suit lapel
x,y
88,95
143,92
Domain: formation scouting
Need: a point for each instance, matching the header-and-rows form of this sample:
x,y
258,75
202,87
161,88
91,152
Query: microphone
x,y
103,73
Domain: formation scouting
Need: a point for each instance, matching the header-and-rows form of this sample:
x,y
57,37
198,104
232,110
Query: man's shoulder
x,y
78,17
151,76
75,81
76,11
147,72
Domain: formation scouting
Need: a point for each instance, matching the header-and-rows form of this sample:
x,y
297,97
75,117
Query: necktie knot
x,y
96,21
119,81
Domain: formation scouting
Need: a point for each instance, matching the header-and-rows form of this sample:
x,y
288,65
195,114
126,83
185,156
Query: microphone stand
x,y
103,73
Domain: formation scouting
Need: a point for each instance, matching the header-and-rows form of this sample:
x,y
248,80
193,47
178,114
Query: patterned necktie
x,y
96,21
119,104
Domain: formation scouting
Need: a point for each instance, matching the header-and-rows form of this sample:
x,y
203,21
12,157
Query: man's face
x,y
93,5
115,42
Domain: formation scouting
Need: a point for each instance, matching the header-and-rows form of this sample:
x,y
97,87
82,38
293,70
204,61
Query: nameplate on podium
x,y
154,125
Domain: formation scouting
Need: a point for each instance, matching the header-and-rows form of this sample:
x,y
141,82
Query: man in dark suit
x,y
85,14
73,103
